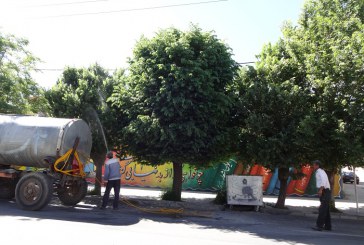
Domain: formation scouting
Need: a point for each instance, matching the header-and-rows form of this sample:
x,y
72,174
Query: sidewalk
x,y
203,202
305,206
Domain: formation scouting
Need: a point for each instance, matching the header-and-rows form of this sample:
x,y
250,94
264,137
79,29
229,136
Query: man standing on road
x,y
323,185
112,175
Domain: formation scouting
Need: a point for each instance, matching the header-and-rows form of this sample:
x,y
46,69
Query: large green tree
x,y
273,99
177,100
83,93
331,34
314,75
19,92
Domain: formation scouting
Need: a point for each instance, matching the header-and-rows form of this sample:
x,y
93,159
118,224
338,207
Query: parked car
x,y
349,177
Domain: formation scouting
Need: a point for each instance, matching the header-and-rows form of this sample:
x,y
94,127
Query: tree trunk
x,y
99,159
283,174
177,180
331,177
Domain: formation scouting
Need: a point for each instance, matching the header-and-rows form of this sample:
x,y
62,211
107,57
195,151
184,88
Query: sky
x,y
79,33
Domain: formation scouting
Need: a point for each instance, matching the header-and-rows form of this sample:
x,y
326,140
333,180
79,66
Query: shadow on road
x,y
79,213
282,227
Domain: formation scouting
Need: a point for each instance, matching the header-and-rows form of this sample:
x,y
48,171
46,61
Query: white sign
x,y
244,190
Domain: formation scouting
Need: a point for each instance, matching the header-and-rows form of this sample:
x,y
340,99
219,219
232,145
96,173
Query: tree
x,y
177,101
322,57
19,92
114,120
331,33
272,103
83,93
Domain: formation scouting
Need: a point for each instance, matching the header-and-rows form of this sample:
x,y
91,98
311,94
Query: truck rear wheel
x,y
33,191
73,192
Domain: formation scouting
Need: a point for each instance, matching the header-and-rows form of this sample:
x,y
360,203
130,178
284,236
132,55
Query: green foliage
x,y
19,93
305,98
83,93
272,100
331,34
176,99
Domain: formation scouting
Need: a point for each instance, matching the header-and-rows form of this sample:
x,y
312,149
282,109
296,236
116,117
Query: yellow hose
x,y
73,172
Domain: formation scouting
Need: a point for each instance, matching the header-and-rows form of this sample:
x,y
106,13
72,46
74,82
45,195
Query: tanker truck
x,y
55,149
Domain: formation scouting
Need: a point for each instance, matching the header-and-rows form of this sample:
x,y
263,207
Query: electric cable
x,y
67,3
134,9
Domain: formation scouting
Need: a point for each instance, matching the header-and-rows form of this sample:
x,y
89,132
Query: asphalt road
x,y
86,224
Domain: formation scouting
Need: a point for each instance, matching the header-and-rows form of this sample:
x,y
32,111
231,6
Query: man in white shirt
x,y
323,185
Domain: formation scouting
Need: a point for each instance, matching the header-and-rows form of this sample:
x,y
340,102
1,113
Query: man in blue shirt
x,y
112,175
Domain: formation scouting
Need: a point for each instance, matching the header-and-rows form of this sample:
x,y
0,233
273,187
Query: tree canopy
x,y
332,39
19,92
319,65
177,101
272,102
304,100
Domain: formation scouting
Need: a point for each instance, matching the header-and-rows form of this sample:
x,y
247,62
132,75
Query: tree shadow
x,y
276,227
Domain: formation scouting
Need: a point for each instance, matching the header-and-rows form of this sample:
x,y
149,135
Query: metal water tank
x,y
28,140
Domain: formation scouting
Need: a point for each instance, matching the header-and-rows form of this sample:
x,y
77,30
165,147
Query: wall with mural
x,y
204,179
213,178
302,187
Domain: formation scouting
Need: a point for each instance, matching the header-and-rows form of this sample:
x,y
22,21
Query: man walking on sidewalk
x,y
323,185
112,175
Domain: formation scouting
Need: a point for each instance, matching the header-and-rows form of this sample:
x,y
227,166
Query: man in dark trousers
x,y
323,185
112,175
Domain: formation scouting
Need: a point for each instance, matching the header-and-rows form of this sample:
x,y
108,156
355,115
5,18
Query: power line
x,y
49,69
137,9
67,3
62,69
113,69
246,63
